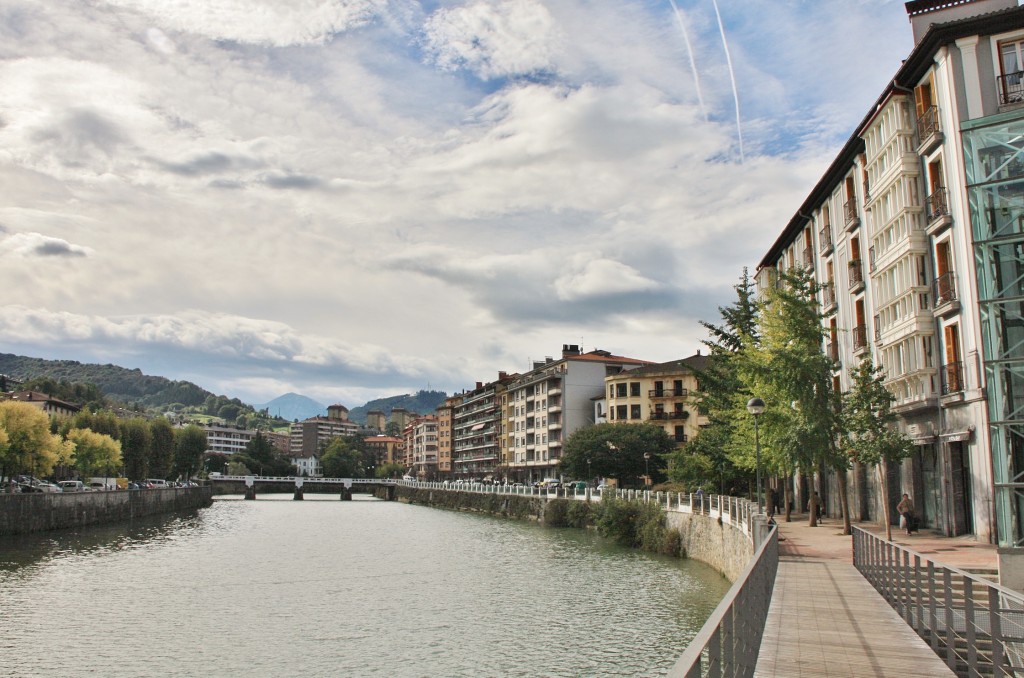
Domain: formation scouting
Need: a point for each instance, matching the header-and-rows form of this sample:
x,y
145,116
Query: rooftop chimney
x,y
924,13
570,349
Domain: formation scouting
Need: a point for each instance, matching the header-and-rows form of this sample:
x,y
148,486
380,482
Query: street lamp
x,y
647,469
590,475
756,408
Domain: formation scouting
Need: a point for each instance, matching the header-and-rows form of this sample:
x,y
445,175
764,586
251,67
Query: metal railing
x,y
974,625
944,288
1011,88
928,123
937,204
729,642
952,377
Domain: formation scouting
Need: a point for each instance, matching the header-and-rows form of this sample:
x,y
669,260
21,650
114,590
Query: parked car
x,y
27,488
72,486
158,483
48,487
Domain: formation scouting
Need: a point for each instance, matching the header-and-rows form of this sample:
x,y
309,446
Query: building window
x,y
620,412
1011,55
620,390
634,389
634,412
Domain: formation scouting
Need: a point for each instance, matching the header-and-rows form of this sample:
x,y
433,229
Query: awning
x,y
477,427
922,440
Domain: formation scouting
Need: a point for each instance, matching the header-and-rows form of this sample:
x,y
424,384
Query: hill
x,y
118,383
421,402
292,406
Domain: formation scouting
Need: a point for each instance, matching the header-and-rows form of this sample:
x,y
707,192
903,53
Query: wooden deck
x,y
826,620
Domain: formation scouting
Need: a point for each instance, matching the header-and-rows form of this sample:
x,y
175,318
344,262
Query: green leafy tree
x,y
189,445
617,451
261,456
342,458
26,444
704,460
136,447
789,370
870,423
390,471
392,429
161,456
95,453
237,468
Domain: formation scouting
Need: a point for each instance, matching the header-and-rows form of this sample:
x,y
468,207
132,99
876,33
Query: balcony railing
x,y
659,416
682,414
937,204
871,259
832,350
850,214
1011,88
944,289
825,238
681,438
808,258
856,274
952,378
828,295
668,393
928,123
860,337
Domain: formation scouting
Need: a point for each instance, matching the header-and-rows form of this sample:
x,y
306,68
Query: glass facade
x,y
994,161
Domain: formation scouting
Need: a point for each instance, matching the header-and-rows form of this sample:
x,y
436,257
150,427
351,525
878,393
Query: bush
x,y
617,519
556,513
580,514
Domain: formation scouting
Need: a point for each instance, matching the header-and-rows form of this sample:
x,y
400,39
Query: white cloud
x,y
493,40
269,22
600,277
31,245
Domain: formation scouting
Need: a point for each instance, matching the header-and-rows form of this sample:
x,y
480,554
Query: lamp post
x,y
756,408
647,469
590,475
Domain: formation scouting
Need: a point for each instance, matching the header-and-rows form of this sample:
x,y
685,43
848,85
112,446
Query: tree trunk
x,y
884,491
812,502
844,503
787,496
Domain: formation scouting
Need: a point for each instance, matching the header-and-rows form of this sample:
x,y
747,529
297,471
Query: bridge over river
x,y
248,485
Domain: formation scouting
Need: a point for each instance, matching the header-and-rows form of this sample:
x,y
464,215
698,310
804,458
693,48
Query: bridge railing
x,y
975,625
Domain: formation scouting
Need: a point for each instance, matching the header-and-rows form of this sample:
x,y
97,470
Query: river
x,y
322,587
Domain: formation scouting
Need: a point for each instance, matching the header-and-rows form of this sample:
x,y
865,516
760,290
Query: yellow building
x,y
664,394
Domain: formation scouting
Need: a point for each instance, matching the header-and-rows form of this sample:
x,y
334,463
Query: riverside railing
x,y
976,626
730,640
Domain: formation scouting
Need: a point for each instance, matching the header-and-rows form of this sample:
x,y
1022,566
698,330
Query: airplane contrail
x,y
732,78
693,62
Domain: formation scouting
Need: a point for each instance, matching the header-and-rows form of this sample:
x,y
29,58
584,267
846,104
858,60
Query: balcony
x,y
659,416
937,211
929,132
681,414
860,338
1011,89
828,297
668,393
825,239
944,292
952,378
681,438
808,258
832,350
856,275
850,214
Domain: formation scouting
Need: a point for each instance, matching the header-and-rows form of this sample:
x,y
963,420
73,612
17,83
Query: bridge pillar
x,y
298,494
250,492
346,494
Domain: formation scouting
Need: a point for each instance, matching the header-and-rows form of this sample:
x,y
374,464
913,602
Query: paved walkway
x,y
825,619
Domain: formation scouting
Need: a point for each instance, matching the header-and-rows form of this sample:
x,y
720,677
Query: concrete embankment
x,y
703,538
25,513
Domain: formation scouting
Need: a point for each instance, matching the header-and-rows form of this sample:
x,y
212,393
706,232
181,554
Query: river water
x,y
322,587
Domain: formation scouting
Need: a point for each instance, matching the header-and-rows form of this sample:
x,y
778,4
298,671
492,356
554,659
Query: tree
x,y
95,453
392,429
136,447
870,424
789,370
161,455
390,470
705,459
189,445
26,444
261,456
342,458
617,451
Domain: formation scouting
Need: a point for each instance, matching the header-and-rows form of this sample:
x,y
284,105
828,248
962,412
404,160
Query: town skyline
x,y
351,200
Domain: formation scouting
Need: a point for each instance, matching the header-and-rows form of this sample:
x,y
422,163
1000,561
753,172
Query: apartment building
x,y
226,439
308,438
544,406
915,233
476,426
663,394
445,439
386,449
42,401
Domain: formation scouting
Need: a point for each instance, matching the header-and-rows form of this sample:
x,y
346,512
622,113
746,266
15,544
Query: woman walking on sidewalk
x,y
906,510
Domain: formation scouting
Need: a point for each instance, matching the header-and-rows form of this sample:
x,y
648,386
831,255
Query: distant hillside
x,y
292,406
423,402
129,386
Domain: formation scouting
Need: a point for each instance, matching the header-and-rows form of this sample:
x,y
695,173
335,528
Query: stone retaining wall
x,y
40,512
510,506
723,547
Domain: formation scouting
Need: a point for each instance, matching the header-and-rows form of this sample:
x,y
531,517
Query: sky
x,y
351,199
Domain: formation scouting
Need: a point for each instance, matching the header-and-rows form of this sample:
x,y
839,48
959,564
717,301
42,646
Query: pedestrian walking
x,y
906,510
